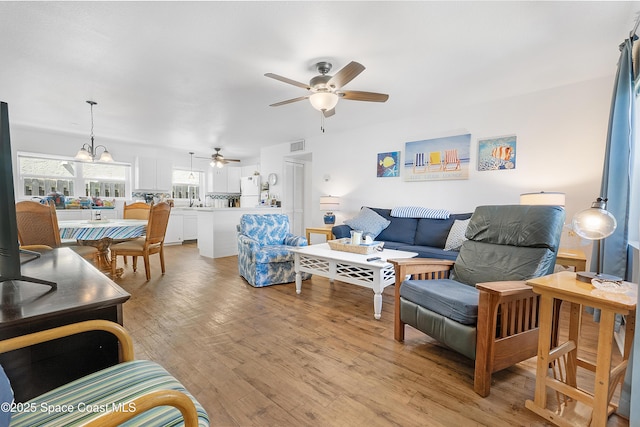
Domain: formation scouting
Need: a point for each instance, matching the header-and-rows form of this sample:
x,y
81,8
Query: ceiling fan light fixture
x,y
216,163
324,101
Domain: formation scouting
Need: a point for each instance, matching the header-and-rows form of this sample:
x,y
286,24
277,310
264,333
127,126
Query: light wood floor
x,y
269,357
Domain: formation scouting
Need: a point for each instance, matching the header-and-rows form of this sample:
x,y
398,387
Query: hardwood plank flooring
x,y
270,357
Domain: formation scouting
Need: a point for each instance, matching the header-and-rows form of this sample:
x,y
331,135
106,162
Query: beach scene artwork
x,y
438,159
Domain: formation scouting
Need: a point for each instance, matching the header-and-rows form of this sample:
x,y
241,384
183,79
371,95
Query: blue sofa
x,y
425,236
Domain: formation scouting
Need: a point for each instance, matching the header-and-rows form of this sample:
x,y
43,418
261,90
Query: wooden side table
x,y
576,406
572,258
326,231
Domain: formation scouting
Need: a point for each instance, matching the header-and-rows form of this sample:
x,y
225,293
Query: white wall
x,y
560,145
561,138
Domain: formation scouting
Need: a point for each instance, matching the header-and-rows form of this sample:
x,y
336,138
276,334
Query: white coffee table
x,y
350,268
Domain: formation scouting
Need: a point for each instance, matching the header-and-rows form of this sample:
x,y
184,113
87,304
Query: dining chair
x,y
135,210
38,229
153,243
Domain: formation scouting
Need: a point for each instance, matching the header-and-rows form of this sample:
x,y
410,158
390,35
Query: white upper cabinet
x,y
233,180
224,180
219,177
153,174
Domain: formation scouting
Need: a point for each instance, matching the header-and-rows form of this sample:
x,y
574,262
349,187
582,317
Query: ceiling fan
x,y
326,90
218,160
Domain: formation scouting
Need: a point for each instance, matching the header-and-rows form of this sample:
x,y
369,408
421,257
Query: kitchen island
x,y
217,232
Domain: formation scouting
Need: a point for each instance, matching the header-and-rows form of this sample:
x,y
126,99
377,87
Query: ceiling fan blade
x,y
230,160
356,95
287,80
329,113
345,75
289,101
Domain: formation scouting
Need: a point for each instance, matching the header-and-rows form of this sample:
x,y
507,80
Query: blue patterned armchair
x,y
263,255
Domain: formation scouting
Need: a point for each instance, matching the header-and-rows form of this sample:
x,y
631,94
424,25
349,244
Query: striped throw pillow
x,y
419,212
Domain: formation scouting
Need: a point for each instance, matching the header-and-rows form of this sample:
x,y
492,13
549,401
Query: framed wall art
x,y
497,153
388,164
438,158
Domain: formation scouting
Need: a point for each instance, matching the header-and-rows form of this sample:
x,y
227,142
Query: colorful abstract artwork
x,y
497,153
438,159
388,164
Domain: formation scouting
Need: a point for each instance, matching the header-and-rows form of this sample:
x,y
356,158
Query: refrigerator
x,y
249,191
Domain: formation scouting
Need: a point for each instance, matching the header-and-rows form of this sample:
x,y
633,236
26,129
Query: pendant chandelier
x,y
89,152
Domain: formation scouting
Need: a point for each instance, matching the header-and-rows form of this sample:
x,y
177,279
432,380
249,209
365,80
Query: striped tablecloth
x,y
96,230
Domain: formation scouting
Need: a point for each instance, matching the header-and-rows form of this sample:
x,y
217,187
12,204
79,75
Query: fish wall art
x,y
497,153
388,164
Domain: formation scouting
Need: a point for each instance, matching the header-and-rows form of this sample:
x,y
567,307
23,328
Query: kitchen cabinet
x,y
190,225
175,229
87,214
153,174
183,225
233,180
219,180
224,180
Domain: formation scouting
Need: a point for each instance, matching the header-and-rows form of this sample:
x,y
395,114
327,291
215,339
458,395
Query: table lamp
x,y
329,204
542,198
595,223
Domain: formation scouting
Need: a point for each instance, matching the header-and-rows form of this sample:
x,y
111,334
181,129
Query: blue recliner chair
x,y
264,258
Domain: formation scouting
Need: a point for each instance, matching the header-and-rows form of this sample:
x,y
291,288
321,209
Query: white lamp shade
x,y
594,223
329,203
324,101
83,154
106,157
543,198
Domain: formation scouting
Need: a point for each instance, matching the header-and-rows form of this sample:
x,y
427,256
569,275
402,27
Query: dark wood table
x,y
83,293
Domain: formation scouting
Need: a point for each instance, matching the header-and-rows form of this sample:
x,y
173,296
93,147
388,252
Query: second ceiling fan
x,y
218,160
326,90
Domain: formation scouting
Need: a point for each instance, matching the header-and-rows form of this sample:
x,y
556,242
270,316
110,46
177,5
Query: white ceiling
x,y
191,74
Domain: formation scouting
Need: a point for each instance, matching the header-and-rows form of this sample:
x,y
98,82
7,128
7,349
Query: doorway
x,y
294,173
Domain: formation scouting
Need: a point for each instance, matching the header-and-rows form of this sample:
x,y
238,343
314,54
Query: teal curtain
x,y
617,167
615,255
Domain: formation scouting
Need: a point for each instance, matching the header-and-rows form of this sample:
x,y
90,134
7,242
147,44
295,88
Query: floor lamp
x,y
595,223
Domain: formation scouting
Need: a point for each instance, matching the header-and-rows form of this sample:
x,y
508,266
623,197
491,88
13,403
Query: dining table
x,y
101,234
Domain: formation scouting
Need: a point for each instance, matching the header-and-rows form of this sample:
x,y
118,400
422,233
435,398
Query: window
x,y
104,179
41,174
186,184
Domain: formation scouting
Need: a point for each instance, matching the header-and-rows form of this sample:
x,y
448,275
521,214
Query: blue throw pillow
x,y
6,396
369,222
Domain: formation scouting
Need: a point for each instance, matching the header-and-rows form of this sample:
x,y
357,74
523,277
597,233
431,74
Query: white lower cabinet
x,y
190,226
183,225
87,214
175,229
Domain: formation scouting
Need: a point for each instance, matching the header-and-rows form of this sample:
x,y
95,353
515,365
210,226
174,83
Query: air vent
x,y
297,146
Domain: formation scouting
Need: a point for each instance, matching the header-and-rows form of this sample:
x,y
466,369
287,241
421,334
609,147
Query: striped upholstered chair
x,y
133,392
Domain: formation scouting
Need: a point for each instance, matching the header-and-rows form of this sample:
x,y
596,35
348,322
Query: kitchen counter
x,y
217,232
209,209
